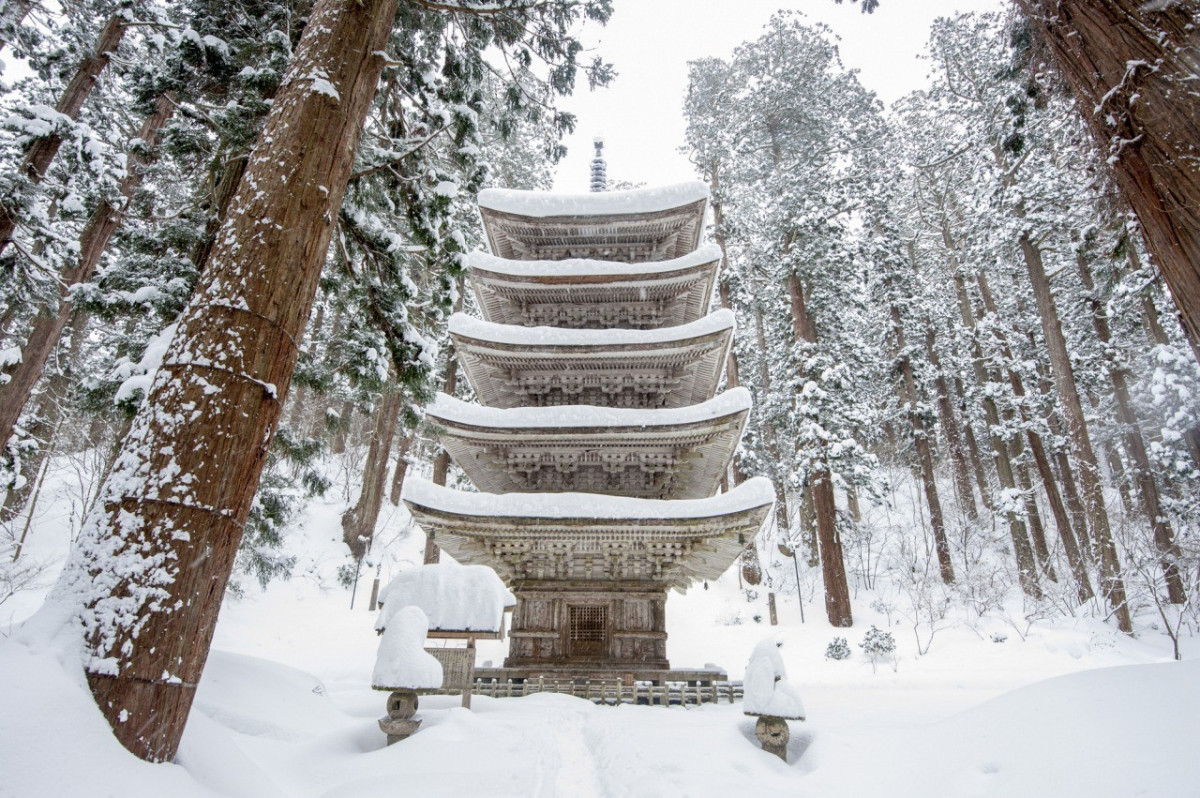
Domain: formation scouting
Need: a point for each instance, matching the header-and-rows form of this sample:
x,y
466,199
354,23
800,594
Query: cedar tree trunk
x,y
1089,469
833,563
46,330
908,392
358,523
41,152
159,554
1132,66
1135,447
951,431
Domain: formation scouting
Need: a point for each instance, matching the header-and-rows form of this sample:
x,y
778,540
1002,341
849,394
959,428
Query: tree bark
x,y
1038,449
1017,530
161,550
46,330
833,563
218,207
908,391
358,523
1131,66
401,470
1135,447
1037,531
40,152
1158,336
981,480
1089,469
46,426
951,431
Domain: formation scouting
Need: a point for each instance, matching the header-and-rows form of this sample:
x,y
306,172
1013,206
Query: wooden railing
x,y
613,692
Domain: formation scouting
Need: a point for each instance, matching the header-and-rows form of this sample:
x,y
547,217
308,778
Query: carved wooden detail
x,y
619,237
660,374
595,301
685,461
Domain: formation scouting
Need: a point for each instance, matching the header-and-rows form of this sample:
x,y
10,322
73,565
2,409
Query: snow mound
x,y
265,699
453,597
402,662
544,204
767,689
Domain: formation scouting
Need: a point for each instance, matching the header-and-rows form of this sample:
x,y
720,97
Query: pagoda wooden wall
x,y
633,635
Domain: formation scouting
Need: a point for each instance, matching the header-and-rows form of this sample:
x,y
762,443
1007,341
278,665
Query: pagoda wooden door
x,y
588,633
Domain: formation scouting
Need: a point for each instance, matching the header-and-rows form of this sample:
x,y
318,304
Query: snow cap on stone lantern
x,y
767,689
402,662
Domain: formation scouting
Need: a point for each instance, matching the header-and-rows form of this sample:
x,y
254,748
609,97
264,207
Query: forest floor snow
x,y
1068,708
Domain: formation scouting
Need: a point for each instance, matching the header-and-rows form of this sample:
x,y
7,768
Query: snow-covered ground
x,y
1067,708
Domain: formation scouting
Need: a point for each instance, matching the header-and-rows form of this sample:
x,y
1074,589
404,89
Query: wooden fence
x,y
615,692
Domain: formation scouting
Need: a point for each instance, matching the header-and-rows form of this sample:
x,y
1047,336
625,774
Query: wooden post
x,y
771,607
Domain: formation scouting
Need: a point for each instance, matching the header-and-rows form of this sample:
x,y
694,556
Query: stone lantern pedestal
x,y
399,723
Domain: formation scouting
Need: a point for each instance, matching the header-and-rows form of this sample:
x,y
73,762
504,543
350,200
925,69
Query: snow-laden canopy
x,y
402,662
544,204
767,689
455,598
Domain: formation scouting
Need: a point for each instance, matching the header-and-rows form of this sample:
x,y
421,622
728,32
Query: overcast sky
x,y
650,42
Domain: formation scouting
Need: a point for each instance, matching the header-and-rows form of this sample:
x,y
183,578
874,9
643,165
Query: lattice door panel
x,y
589,630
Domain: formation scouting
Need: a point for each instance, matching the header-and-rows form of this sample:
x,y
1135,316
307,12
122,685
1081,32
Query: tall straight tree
x,y
41,150
46,330
161,549
1132,67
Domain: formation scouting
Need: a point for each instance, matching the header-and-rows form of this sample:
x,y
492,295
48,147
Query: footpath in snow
x,y
285,709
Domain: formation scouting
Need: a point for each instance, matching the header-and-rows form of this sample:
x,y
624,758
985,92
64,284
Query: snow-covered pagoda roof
x,y
661,454
584,536
643,224
583,293
513,366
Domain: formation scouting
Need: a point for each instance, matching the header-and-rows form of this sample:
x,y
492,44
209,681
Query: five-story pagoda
x,y
599,443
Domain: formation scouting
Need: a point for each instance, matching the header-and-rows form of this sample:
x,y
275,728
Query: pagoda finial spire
x,y
599,168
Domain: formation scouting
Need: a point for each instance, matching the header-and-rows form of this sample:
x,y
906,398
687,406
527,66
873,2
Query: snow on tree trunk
x,y
1132,66
833,563
1089,469
41,151
1135,447
1026,567
46,330
153,564
358,523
